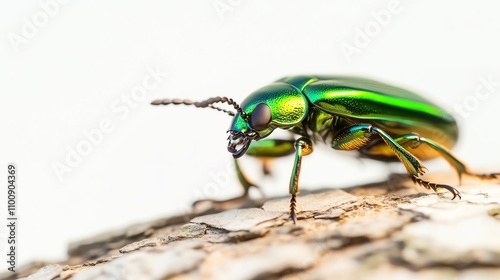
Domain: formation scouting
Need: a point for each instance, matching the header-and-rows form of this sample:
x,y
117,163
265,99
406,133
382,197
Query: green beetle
x,y
381,121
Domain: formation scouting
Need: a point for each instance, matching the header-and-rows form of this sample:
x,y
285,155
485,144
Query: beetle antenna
x,y
231,113
204,104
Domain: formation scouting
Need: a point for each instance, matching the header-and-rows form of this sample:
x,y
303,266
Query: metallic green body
x,y
380,121
288,106
318,107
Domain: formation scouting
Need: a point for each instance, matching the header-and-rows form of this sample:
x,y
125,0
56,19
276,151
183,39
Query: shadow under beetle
x,y
381,121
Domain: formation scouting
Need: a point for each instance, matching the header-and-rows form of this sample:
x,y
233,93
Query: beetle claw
x,y
435,187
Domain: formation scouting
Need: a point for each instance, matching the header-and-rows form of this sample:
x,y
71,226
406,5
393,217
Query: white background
x,y
65,78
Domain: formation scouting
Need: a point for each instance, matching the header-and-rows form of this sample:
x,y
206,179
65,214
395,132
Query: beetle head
x,y
278,105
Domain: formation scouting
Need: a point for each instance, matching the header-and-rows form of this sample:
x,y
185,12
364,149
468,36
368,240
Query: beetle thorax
x,y
321,126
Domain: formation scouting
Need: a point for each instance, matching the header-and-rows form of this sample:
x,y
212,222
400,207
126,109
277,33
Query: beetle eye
x,y
260,117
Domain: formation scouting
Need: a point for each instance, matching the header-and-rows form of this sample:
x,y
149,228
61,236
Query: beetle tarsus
x,y
293,209
487,176
435,187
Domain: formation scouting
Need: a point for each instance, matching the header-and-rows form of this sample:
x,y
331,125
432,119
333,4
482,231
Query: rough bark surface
x,y
368,232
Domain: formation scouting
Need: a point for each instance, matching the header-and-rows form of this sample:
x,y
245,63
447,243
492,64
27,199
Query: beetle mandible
x,y
381,121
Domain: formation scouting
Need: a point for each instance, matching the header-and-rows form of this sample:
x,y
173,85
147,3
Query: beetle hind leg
x,y
358,136
487,176
484,176
414,141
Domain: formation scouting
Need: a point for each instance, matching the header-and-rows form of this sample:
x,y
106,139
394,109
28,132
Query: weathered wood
x,y
367,232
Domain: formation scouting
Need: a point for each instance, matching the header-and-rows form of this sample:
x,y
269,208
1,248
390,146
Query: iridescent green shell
x,y
288,107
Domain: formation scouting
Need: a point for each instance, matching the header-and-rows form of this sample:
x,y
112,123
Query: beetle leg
x,y
357,136
459,166
435,187
414,141
303,147
240,201
244,181
264,150
266,166
270,148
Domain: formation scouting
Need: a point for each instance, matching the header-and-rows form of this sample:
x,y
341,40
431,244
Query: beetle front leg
x,y
244,181
240,201
303,147
264,150
357,136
